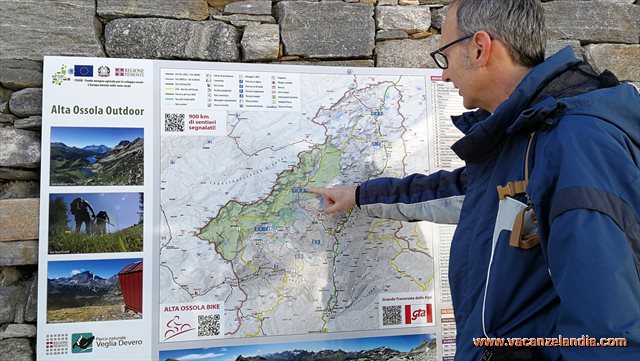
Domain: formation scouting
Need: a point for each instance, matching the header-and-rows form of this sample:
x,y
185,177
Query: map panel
x,y
240,232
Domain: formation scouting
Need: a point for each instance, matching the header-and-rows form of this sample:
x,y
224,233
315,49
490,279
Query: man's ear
x,y
482,48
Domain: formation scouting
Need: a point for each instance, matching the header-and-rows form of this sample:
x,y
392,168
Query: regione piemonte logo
x,y
129,72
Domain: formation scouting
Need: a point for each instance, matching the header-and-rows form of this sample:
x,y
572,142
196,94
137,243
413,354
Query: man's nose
x,y
445,75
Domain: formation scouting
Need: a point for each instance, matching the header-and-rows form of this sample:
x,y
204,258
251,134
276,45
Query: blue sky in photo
x,y
122,208
104,268
82,137
403,343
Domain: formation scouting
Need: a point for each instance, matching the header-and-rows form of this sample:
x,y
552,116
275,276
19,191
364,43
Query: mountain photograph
x,y
415,347
382,353
89,290
96,156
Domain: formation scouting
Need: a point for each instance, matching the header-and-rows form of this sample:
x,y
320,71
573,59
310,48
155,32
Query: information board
x,y
176,225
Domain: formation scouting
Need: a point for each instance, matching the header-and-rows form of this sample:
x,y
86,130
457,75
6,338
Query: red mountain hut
x,y
131,283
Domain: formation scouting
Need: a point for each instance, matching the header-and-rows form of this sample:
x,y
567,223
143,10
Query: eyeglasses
x,y
441,60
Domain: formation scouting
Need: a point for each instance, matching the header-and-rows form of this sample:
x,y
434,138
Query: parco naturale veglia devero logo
x,y
82,342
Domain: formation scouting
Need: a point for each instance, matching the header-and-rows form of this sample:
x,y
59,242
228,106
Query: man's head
x,y
518,24
503,39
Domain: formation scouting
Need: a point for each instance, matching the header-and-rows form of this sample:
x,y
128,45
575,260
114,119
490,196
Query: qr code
x,y
173,122
208,325
391,315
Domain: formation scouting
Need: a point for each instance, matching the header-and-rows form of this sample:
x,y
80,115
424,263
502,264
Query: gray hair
x,y
518,24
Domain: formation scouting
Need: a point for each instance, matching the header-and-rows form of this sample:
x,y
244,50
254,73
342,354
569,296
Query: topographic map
x,y
238,228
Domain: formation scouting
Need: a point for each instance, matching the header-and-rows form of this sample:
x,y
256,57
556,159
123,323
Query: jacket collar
x,y
484,132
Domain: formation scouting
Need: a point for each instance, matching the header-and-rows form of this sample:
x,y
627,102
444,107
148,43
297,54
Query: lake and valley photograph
x,y
82,156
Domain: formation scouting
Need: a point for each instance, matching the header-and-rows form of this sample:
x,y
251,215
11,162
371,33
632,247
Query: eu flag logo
x,y
83,70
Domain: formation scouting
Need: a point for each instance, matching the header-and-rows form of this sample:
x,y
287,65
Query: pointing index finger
x,y
319,191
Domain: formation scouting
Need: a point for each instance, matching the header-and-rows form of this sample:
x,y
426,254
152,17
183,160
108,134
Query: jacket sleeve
x,y
594,226
437,197
593,272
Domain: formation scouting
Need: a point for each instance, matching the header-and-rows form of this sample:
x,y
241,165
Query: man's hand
x,y
336,199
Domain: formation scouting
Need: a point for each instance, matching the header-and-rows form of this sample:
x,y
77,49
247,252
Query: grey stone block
x,y
326,29
7,119
172,39
10,298
18,253
20,74
435,2
242,19
19,189
9,276
26,102
391,35
406,53
16,349
18,331
437,16
345,63
5,94
620,59
178,9
252,7
31,308
610,1
242,24
408,18
32,123
4,107
19,148
260,42
30,29
553,46
603,22
18,174
387,2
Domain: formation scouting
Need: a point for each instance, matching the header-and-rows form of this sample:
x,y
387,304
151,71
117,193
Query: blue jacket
x,y
584,277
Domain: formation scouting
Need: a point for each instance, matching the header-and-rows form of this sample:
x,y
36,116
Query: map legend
x,y
228,90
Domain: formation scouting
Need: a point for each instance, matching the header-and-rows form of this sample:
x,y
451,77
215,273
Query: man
x,y
80,209
102,219
554,149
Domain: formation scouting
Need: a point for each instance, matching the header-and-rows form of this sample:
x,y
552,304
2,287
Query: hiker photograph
x,y
95,222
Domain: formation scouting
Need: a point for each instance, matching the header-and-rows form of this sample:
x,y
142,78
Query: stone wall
x,y
382,33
